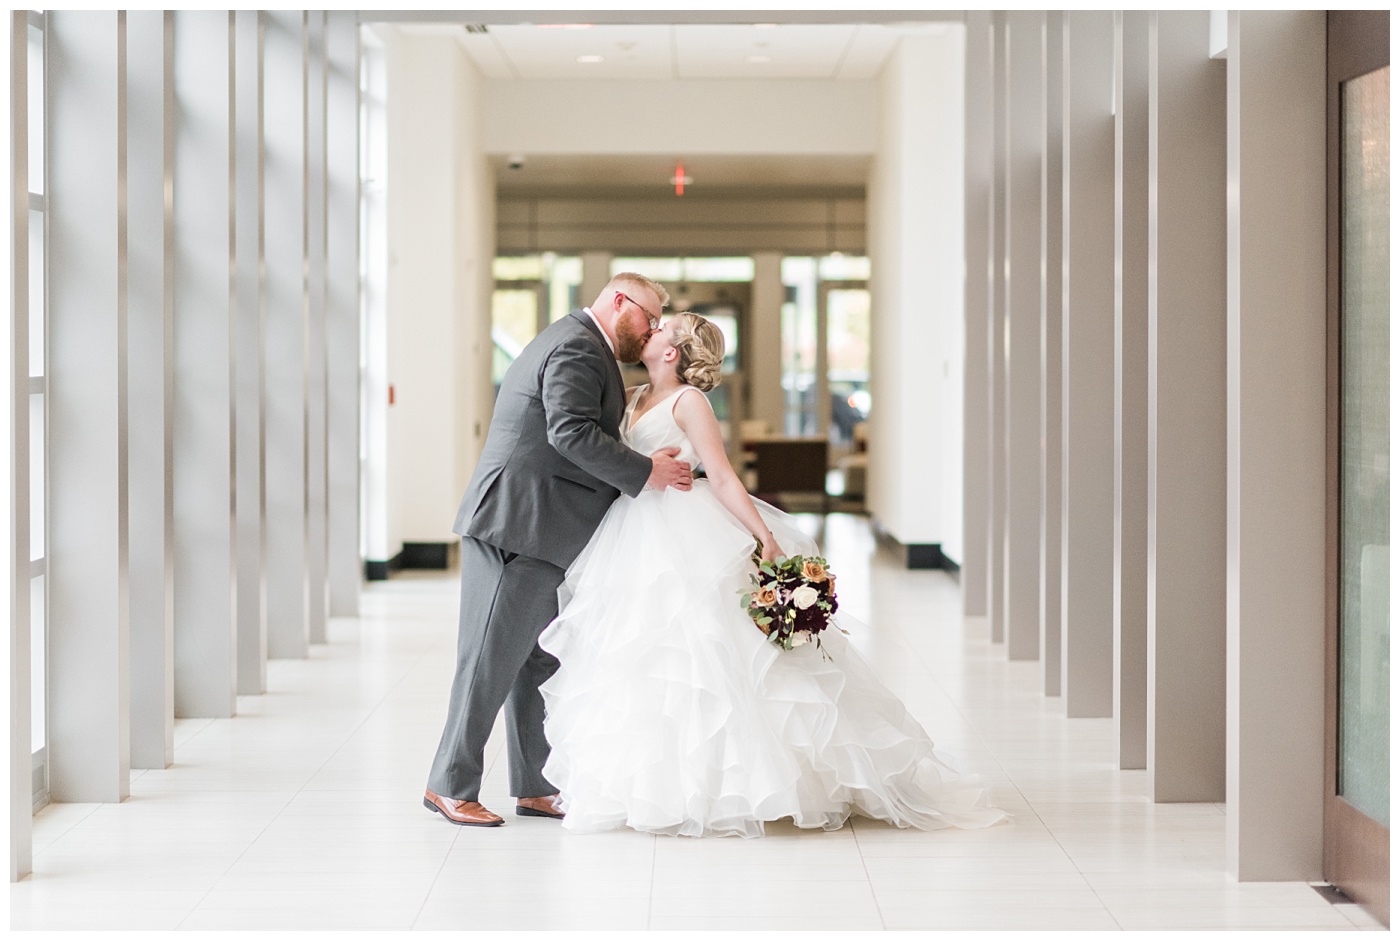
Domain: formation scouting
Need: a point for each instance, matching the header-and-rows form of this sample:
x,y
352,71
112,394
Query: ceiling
x,y
661,45
656,52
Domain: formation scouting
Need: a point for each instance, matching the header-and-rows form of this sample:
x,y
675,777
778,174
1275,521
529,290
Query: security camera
x,y
515,162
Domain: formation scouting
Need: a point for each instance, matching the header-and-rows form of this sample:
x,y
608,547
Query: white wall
x,y
441,218
915,232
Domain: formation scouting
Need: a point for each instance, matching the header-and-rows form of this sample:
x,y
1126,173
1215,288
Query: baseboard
x,y
377,570
924,555
415,555
915,555
428,555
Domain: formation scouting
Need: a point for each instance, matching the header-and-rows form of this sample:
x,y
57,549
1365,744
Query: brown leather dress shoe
x,y
539,807
462,813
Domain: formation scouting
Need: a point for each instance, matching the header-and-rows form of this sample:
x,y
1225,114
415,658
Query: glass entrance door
x,y
1357,828
846,312
517,309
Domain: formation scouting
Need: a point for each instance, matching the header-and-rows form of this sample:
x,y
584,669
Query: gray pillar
x,y
1024,32
765,367
977,443
344,567
15,238
996,338
89,706
285,326
1130,392
248,354
205,599
1275,454
1051,355
150,385
318,601
1087,539
1186,413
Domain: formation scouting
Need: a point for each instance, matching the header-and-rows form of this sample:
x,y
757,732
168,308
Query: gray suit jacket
x,y
553,461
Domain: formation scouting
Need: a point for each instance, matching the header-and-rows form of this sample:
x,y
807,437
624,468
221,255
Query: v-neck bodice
x,y
657,428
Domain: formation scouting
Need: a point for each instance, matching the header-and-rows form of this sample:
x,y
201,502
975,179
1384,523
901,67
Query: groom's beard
x,y
629,343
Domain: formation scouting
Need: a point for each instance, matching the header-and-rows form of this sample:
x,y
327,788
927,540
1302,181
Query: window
x,y
38,384
374,316
826,346
531,292
688,269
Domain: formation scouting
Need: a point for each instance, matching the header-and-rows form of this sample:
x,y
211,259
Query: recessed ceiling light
x,y
590,59
760,59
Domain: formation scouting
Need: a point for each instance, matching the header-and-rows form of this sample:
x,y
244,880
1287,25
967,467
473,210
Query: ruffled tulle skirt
x,y
671,713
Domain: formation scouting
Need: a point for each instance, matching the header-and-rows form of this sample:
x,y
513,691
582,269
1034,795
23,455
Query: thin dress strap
x,y
683,390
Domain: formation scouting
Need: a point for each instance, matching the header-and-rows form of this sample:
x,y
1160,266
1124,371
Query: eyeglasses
x,y
652,320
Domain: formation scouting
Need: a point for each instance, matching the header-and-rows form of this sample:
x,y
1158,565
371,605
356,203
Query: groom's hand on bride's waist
x,y
666,471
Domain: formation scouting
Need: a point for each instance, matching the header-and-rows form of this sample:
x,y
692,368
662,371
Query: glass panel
x,y
799,339
719,401
36,110
36,475
514,320
36,293
845,268
560,274
374,318
727,319
658,269
718,269
38,659
848,360
1364,707
523,268
674,270
565,276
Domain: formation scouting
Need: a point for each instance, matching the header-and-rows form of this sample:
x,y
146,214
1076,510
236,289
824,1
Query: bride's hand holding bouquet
x,y
790,598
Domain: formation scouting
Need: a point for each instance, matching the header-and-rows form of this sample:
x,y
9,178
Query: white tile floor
x,y
305,810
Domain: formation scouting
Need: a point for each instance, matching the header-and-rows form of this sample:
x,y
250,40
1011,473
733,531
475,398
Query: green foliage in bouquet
x,y
791,599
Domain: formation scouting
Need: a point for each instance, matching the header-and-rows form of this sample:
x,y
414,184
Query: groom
x,y
552,465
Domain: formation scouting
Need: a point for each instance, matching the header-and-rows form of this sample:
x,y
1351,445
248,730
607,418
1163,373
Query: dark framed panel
x,y
1357,847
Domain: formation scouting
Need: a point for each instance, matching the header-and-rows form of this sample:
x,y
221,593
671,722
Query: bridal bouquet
x,y
791,599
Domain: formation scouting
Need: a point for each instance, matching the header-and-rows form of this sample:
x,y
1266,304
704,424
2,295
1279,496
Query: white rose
x,y
800,637
805,597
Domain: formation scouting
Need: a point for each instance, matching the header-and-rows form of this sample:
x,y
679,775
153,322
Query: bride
x,y
671,712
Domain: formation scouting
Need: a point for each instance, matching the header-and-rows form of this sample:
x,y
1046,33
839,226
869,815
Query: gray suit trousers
x,y
507,602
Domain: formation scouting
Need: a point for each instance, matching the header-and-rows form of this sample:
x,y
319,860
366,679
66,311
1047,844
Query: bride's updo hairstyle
x,y
701,348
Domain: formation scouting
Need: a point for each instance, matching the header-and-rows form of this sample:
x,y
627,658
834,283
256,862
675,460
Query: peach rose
x,y
813,571
766,597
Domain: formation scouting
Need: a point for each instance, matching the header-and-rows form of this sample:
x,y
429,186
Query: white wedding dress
x,y
671,712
